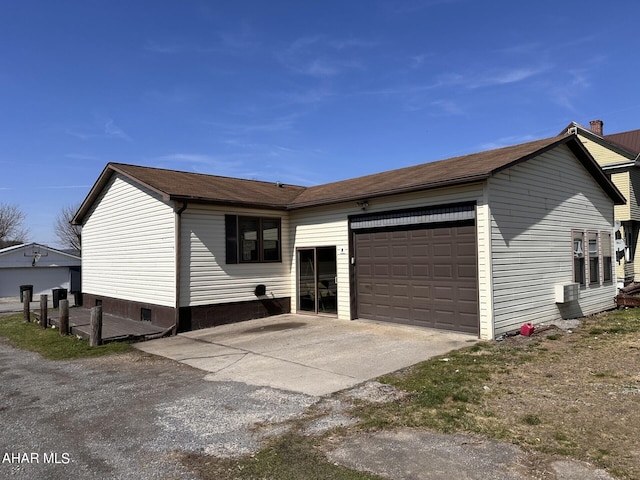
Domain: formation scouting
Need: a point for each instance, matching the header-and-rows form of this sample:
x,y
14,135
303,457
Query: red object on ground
x,y
527,329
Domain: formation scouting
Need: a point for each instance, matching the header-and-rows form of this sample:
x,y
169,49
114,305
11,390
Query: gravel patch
x,y
376,392
124,416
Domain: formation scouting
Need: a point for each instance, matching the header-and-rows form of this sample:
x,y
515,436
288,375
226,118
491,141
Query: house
x,y
479,243
618,156
42,267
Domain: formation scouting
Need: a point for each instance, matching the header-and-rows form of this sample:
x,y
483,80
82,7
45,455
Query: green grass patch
x,y
442,390
49,343
531,419
289,457
617,322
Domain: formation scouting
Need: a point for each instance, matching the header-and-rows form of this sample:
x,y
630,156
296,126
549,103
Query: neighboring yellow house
x,y
618,155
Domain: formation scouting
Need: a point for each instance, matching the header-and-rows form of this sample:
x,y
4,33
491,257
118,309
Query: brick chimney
x,y
596,126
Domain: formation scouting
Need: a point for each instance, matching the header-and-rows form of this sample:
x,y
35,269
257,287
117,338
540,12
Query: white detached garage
x,y
42,267
477,244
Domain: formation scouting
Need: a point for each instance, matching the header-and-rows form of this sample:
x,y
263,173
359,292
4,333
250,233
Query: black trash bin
x,y
77,298
26,288
58,294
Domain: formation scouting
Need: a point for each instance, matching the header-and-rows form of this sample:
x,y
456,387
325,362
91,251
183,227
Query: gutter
x,y
178,263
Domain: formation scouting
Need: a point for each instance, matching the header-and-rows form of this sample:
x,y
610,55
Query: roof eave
x,y
396,191
229,203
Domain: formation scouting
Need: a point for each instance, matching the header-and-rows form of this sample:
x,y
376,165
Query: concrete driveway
x,y
306,354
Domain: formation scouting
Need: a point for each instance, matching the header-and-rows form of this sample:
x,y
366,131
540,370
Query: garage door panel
x,y
400,271
420,271
381,270
442,250
441,232
467,294
442,272
466,251
466,272
425,277
442,292
421,291
381,252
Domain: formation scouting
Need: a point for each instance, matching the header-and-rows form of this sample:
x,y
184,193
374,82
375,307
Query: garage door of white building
x,y
42,279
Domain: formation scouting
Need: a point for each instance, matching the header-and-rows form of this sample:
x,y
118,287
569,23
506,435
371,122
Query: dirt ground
x,y
580,396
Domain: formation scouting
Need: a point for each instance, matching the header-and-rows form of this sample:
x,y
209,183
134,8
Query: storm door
x,y
317,288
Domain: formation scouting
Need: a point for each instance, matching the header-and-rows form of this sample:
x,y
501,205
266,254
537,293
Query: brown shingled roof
x,y
176,185
453,171
629,140
192,187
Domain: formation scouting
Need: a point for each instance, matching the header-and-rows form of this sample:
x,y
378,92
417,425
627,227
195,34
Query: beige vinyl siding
x,y
329,226
206,279
603,155
622,182
534,207
634,214
622,213
128,245
485,267
323,227
634,193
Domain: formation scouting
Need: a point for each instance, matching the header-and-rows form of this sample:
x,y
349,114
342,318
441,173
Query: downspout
x,y
178,263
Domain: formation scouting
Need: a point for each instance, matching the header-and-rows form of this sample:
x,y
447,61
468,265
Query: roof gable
x,y
191,187
626,144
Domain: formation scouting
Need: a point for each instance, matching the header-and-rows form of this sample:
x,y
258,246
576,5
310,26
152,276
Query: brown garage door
x,y
424,277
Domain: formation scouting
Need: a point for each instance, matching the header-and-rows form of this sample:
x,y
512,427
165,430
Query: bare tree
x,y
69,235
12,229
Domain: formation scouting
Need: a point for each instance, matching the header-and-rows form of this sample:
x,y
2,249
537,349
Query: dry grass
x,y
564,394
584,389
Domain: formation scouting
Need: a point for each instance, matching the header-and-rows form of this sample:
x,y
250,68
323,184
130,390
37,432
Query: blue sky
x,y
300,92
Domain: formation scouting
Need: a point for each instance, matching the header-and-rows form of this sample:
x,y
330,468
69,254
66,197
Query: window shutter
x,y
231,236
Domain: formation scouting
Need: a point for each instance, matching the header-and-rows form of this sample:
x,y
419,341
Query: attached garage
x,y
479,243
418,268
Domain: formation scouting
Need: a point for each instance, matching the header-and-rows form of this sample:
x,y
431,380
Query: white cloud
x,y
448,108
276,124
506,142
105,128
417,61
80,156
489,78
114,131
201,162
317,56
59,187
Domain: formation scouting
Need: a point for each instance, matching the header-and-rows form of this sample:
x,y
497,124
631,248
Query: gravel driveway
x,y
122,416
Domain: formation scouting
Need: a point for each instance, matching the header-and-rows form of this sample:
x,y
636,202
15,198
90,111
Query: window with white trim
x,y
607,261
578,258
594,259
